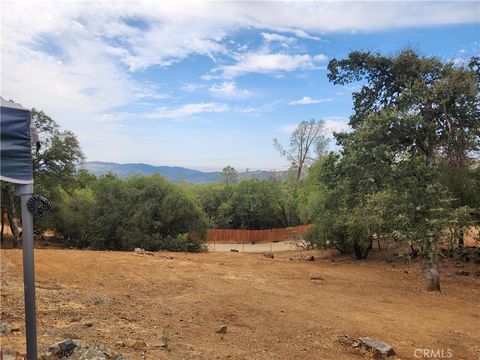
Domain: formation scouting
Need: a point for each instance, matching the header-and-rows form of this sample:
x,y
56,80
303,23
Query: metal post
x,y
25,192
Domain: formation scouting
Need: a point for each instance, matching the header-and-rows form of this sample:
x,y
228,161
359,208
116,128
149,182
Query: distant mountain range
x,y
173,173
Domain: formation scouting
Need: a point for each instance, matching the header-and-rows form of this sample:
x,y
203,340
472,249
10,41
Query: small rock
x,y
268,254
169,257
140,251
310,258
222,329
76,319
11,356
376,346
88,324
233,250
151,253
477,274
136,344
463,273
345,340
119,344
405,271
53,352
4,328
316,278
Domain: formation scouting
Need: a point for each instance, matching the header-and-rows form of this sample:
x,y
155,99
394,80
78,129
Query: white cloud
x,y
187,110
320,58
331,125
307,100
146,91
302,34
249,110
191,87
348,16
113,117
266,63
285,41
229,90
276,37
335,124
287,128
77,60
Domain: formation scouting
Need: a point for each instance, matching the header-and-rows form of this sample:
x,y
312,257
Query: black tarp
x,y
15,147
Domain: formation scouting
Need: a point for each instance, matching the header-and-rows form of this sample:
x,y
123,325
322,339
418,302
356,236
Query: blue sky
x,y
207,84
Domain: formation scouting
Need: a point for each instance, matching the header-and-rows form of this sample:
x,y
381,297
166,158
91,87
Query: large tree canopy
x,y
435,105
54,166
415,127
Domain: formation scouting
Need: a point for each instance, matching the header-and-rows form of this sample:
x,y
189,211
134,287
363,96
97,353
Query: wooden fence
x,y
227,236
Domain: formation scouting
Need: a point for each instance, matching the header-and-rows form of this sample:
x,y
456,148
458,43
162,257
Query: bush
x,y
336,237
182,242
115,214
161,210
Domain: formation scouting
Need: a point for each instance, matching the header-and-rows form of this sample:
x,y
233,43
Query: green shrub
x,y
181,243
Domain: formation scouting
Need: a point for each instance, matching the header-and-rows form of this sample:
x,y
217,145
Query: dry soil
x,y
270,306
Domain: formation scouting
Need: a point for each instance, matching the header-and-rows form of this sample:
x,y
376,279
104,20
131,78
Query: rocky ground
x,y
240,305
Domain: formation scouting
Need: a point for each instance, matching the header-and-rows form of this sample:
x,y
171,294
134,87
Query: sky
x,y
207,84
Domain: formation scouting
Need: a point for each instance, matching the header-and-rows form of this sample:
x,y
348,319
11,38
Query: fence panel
x,y
229,236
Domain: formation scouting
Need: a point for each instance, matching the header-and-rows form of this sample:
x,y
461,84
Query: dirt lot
x,y
271,307
254,248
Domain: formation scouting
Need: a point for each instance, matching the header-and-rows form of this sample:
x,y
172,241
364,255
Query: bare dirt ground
x,y
271,307
254,248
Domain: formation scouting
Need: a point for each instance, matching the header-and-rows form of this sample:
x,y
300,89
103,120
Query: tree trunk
x,y
461,237
430,158
2,228
433,277
12,217
360,252
285,217
299,171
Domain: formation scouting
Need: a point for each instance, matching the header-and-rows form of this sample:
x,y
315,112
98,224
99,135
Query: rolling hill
x,y
173,173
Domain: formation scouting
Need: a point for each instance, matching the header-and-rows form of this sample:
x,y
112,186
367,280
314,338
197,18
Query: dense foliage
x,y
407,170
249,204
147,212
